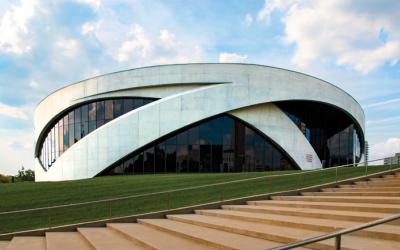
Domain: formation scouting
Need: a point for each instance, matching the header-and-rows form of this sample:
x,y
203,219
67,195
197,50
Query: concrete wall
x,y
189,93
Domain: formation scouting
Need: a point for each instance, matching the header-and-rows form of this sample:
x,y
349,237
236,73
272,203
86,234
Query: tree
x,y
25,175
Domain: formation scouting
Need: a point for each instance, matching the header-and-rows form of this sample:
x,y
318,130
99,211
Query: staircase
x,y
257,225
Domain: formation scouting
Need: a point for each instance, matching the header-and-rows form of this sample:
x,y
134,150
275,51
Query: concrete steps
x,y
207,236
360,193
388,232
357,199
256,225
66,240
312,213
3,245
275,233
105,238
27,242
151,238
362,189
362,207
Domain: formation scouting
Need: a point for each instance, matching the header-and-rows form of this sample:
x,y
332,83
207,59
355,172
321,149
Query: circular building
x,y
195,118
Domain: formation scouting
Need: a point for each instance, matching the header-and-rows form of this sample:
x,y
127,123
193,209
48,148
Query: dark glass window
x,y
159,163
77,123
138,164
128,105
118,107
148,161
85,113
201,148
108,110
329,131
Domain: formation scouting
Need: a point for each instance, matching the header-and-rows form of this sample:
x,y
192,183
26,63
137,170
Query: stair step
x,y
362,207
366,187
377,179
386,232
3,244
281,234
27,242
209,237
362,189
154,239
312,212
381,194
378,183
374,200
104,238
66,241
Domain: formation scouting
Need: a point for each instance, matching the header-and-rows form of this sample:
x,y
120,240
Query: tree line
x,y
23,175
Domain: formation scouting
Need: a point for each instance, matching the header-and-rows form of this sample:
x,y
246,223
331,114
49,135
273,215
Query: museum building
x,y
190,118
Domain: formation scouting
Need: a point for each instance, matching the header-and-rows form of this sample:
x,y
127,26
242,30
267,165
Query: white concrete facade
x,y
188,93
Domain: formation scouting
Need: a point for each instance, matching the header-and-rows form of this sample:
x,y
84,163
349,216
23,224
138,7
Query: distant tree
x,y
5,179
25,175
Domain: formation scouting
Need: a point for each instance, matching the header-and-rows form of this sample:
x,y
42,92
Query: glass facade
x,y
333,134
75,124
219,144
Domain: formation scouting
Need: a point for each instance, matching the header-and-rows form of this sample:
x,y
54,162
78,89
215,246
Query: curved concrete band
x,y
189,93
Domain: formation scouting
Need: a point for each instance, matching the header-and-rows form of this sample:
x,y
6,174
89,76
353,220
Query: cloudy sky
x,y
45,45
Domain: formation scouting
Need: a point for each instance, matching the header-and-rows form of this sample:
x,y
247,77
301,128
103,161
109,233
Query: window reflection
x,y
331,133
77,123
221,144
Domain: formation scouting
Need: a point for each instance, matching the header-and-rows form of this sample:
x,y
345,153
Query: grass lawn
x,y
28,195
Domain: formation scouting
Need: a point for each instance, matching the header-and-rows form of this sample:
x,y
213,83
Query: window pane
x,y
137,103
171,158
71,117
60,137
108,110
159,163
182,158
66,137
128,105
148,162
85,113
118,107
84,129
71,134
78,117
92,111
78,132
92,126
100,111
138,164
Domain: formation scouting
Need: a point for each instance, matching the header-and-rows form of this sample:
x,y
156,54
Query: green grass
x,y
28,195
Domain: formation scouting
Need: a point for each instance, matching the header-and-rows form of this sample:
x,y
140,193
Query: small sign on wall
x,y
309,157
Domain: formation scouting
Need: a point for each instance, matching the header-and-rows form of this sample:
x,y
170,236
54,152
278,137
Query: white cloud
x,y
168,39
68,47
347,33
231,57
248,19
16,149
33,84
94,4
89,27
13,112
383,103
272,5
14,27
385,149
139,45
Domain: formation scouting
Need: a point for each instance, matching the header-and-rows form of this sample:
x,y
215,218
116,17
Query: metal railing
x,y
132,204
337,235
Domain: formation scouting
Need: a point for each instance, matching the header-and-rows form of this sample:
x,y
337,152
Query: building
x,y
392,160
195,118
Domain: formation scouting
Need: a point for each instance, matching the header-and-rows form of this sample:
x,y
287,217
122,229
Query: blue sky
x,y
45,45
